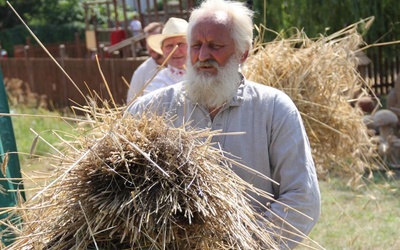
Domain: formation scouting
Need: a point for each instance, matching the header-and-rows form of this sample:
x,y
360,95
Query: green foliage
x,y
41,12
47,33
11,37
329,16
8,18
57,12
52,21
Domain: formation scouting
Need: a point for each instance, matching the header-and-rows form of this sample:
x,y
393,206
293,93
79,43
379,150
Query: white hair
x,y
240,17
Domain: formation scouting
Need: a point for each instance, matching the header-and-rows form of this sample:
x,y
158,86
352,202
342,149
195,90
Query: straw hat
x,y
173,27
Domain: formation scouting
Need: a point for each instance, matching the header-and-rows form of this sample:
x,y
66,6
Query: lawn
x,y
363,218
367,218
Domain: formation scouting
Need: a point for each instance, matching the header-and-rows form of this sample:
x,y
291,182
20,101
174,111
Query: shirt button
x,y
209,124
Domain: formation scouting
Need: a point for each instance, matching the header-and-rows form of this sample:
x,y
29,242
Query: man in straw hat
x,y
216,95
171,43
148,68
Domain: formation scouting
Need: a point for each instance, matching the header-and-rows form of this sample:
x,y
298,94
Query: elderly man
x,y
215,95
148,68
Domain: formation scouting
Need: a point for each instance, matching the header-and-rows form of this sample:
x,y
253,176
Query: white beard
x,y
209,90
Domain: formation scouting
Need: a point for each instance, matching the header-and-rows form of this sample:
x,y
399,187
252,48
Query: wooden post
x,y
63,78
85,7
101,50
181,10
139,10
125,19
149,16
376,80
28,67
26,51
156,10
62,53
116,14
28,42
78,45
165,10
109,23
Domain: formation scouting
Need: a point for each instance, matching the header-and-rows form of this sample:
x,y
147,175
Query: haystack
x,y
320,75
140,184
19,93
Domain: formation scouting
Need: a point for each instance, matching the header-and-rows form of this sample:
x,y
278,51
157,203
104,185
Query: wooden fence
x,y
46,78
381,74
75,49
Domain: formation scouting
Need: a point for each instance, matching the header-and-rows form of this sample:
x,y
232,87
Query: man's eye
x,y
216,46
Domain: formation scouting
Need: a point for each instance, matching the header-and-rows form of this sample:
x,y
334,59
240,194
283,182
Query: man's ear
x,y
244,56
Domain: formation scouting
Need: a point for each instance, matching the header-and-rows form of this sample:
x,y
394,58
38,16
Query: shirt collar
x,y
176,71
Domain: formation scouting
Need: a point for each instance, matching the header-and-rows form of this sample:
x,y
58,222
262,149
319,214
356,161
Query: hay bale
x,y
19,93
140,184
320,75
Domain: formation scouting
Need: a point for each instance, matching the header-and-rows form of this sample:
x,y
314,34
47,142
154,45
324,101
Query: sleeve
x,y
136,84
298,202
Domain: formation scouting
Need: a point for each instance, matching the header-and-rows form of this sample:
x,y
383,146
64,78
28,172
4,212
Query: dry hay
x,y
140,184
320,75
20,93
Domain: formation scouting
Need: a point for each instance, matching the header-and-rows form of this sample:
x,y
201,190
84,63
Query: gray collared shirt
x,y
274,143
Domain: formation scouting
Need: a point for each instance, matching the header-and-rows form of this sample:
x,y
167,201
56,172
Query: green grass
x,y
44,124
366,218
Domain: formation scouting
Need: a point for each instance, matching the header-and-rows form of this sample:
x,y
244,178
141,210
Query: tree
x,y
9,19
41,12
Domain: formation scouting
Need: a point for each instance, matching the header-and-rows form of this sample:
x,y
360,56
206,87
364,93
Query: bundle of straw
x,y
321,77
140,184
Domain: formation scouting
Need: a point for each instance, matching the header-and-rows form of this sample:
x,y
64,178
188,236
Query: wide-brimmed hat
x,y
173,27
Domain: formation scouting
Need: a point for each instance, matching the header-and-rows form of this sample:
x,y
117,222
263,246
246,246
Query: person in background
x,y
135,26
171,43
149,67
216,95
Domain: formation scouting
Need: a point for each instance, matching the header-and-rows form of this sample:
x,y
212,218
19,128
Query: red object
x,y
117,36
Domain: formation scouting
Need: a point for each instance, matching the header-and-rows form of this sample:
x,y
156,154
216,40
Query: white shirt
x,y
166,77
141,75
136,27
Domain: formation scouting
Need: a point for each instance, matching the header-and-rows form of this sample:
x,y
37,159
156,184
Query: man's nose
x,y
204,53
